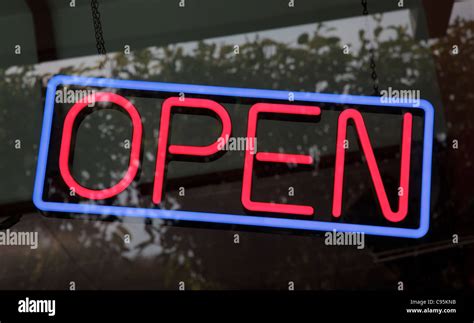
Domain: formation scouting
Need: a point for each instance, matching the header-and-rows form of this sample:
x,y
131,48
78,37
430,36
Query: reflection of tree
x,y
317,62
455,75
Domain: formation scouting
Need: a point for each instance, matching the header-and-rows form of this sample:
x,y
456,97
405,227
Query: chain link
x,y
99,35
365,12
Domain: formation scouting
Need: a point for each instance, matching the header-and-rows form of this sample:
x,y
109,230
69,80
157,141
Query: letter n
x,y
388,213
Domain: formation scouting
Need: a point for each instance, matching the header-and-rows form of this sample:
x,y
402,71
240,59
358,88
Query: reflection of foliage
x,y
456,74
17,106
316,63
14,85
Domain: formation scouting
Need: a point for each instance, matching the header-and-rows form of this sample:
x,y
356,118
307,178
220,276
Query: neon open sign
x,y
413,186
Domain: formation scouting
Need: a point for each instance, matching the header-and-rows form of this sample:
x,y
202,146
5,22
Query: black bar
x,y
158,306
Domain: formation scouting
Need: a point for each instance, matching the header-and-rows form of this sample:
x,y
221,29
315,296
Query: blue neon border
x,y
230,218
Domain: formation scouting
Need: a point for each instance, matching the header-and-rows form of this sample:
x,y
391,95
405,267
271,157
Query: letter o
x,y
134,152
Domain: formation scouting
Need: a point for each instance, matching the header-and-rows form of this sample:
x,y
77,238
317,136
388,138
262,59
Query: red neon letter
x,y
273,158
134,153
181,149
372,164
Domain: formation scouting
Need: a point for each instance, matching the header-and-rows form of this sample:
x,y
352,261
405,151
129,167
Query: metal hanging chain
x,y
365,12
99,35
